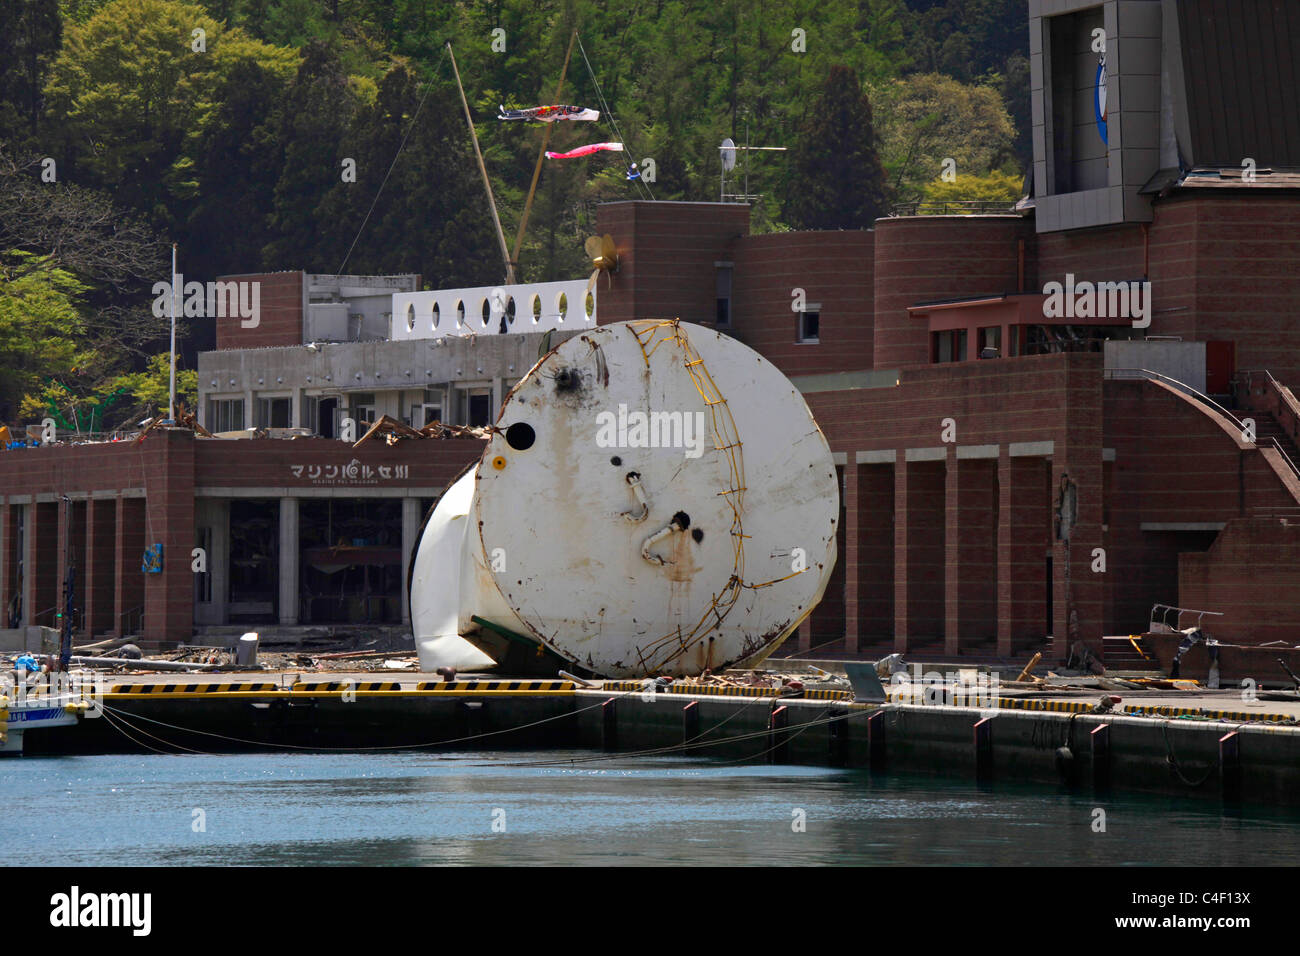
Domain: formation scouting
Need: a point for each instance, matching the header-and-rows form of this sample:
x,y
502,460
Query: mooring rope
x,y
391,747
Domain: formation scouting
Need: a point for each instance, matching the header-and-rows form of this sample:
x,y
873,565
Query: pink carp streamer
x,y
585,150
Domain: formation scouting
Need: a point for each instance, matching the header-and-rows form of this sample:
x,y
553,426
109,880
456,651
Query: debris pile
x,y
812,678
392,431
366,652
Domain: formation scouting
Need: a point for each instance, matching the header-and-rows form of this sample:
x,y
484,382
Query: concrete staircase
x,y
1266,429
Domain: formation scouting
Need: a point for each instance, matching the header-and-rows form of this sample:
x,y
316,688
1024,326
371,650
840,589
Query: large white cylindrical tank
x,y
656,498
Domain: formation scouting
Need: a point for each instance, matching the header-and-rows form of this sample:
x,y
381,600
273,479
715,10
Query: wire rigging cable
x,y
609,112
427,90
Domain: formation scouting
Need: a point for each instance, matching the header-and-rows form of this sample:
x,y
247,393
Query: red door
x,y
1220,365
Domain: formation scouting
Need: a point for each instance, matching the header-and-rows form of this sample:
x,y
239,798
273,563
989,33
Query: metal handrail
x,y
1181,386
1284,394
1285,457
1202,397
1164,614
126,618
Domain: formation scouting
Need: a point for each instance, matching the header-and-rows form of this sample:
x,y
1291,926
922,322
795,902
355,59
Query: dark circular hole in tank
x,y
520,436
683,520
698,535
616,461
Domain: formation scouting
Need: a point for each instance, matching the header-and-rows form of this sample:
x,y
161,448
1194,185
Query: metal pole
x,y
541,155
492,203
171,393
69,583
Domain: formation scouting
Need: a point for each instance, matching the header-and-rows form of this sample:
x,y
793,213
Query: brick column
x,y
410,530
289,551
1077,605
61,562
901,569
219,558
1005,564
1078,609
851,558
951,554
6,560
169,489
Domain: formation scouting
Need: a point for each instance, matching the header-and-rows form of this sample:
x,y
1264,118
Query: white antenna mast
x,y
728,150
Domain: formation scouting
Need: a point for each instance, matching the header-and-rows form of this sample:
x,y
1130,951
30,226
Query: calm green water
x,y
420,808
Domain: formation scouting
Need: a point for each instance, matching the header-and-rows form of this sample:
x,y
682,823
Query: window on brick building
x,y
361,408
478,409
309,412
991,342
948,346
723,276
809,328
275,412
225,414
427,410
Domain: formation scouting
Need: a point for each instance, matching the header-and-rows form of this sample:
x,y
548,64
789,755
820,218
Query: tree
x,y
41,329
431,216
151,388
318,111
129,89
234,153
72,228
74,231
30,35
995,187
929,118
837,180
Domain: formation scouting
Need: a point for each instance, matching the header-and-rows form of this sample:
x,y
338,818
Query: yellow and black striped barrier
x,y
331,688
192,688
727,690
1165,710
499,686
1050,706
346,685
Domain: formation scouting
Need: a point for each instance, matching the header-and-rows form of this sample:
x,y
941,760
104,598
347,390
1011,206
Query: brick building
x,y
296,526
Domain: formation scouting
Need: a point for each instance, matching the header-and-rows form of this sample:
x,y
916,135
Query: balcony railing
x,y
952,207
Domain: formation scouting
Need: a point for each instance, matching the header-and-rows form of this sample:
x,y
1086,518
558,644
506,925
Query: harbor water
x,y
585,808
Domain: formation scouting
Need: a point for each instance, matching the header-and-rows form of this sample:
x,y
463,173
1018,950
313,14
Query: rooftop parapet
x,y
494,310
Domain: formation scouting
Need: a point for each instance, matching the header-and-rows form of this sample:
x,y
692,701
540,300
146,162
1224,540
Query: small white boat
x,y
58,703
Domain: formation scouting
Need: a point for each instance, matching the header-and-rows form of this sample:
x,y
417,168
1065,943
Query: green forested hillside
x,y
230,126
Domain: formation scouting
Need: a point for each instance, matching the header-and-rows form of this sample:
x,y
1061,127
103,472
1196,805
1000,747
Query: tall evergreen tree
x,y
31,33
235,156
837,180
317,113
431,215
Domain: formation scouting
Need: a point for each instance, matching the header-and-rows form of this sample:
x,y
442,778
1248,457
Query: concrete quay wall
x,y
1257,762
1213,759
